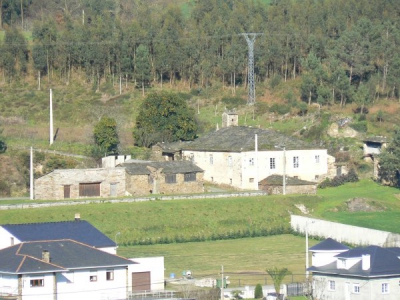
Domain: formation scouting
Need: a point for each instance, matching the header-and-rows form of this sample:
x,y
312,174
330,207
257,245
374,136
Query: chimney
x,y
77,217
366,262
46,256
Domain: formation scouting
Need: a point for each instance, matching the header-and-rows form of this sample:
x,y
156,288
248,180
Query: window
x,y
385,288
317,159
37,282
191,157
230,161
211,159
251,161
93,276
331,285
356,288
110,275
190,177
272,163
230,181
12,241
251,180
89,189
295,162
170,178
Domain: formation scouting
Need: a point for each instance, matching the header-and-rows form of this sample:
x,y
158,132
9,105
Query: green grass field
x,y
245,261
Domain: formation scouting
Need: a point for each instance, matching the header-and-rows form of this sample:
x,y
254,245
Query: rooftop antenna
x,y
250,39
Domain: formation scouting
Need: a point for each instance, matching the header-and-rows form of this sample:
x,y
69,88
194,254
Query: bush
x,y
258,292
275,81
351,176
232,102
280,109
360,126
261,108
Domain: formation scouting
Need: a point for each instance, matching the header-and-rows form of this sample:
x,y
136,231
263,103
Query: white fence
x,y
344,233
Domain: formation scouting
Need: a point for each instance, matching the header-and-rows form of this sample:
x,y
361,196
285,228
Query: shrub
x,y
280,109
258,292
232,102
275,81
360,126
351,176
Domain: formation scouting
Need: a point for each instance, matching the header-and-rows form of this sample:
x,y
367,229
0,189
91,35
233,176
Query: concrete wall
x,y
344,233
237,169
139,185
51,186
344,288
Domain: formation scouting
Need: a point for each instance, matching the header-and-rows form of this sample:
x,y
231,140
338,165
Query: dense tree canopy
x,y
338,45
389,162
106,136
164,117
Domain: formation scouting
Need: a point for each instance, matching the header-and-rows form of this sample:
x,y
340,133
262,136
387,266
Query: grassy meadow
x,y
245,261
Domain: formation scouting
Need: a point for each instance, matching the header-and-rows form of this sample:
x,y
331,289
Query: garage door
x,y
141,281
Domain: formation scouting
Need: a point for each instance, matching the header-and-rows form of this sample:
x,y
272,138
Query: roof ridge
x,y
36,223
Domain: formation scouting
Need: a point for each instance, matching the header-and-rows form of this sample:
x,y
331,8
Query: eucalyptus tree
x,y
45,37
14,54
142,66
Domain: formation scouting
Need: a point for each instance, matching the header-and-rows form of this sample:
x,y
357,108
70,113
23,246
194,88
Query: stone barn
x,y
81,183
167,177
273,185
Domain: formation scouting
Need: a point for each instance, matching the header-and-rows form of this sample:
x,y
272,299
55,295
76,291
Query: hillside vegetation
x,y
315,63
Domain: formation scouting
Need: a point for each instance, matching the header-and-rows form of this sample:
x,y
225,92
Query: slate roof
x,y
169,167
64,255
329,245
383,263
170,147
242,138
81,231
278,180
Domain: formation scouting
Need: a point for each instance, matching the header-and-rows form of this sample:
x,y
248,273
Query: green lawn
x,y
245,260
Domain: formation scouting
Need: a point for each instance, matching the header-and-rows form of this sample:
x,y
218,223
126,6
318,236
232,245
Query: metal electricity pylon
x,y
250,39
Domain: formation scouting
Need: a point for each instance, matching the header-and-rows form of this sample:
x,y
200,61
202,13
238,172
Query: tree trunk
x,y
309,98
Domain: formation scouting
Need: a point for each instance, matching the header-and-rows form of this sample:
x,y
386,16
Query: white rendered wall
x,y
153,264
5,238
241,169
45,292
8,284
82,288
344,233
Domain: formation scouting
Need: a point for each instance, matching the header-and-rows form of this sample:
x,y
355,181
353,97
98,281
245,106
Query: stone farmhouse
x,y
364,273
242,156
131,177
167,177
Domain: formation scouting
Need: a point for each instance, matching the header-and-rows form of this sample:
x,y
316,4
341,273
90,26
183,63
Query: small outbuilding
x,y
273,185
162,177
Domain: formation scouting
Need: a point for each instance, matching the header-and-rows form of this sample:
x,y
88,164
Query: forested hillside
x,y
346,50
101,56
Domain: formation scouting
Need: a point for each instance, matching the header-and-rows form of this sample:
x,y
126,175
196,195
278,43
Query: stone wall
x,y
344,233
51,186
139,185
290,189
